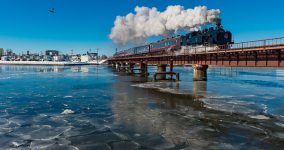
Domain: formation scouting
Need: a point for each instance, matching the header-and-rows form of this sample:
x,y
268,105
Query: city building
x,y
93,56
4,58
85,58
58,58
75,58
1,52
51,53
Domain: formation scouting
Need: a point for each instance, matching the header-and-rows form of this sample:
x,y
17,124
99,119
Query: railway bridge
x,y
260,53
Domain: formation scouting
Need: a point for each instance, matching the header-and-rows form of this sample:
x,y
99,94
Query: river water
x,y
96,107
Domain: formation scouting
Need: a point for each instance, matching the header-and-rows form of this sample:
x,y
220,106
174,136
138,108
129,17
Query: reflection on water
x,y
182,120
35,68
94,107
199,89
280,75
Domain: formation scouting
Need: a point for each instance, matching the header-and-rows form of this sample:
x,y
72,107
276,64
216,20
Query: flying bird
x,y
52,10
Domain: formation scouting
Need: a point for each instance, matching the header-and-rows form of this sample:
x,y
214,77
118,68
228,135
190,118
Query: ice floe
x,y
260,117
67,111
68,96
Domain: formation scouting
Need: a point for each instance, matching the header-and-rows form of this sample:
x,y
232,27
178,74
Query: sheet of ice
x,y
68,96
260,117
232,104
68,111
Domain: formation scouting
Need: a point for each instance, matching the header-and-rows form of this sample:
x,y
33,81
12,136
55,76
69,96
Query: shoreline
x,y
49,63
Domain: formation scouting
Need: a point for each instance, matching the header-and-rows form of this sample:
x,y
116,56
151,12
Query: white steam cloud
x,y
147,22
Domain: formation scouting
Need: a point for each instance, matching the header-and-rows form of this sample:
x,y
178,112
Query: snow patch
x,y
67,111
260,117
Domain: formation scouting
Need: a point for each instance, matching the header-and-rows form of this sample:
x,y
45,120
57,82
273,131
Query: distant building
x,y
104,57
85,58
47,58
9,52
52,53
66,57
58,58
92,55
1,52
75,58
4,58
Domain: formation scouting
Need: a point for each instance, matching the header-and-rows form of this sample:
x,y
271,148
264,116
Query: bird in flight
x,y
52,10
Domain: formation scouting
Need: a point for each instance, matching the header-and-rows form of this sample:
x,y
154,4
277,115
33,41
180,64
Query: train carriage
x,y
129,52
169,44
142,49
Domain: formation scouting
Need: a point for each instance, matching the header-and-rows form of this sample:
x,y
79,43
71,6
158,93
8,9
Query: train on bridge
x,y
211,37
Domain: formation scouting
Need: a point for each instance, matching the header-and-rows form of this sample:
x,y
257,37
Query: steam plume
x,y
147,22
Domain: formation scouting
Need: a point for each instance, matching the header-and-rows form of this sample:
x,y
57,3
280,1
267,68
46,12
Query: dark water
x,y
89,107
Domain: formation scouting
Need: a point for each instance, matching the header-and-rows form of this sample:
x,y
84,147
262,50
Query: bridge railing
x,y
254,44
236,46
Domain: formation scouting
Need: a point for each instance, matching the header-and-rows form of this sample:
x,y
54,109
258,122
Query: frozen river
x,y
95,107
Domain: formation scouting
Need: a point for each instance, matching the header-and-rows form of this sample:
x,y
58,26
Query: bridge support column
x,y
121,67
130,68
113,65
124,67
144,69
200,72
117,66
161,68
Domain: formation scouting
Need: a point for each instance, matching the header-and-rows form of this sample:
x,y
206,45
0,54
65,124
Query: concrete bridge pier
x,y
144,69
123,67
117,66
113,65
161,68
200,72
131,68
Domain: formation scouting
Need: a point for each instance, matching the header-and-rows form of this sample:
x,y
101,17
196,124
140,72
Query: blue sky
x,y
85,24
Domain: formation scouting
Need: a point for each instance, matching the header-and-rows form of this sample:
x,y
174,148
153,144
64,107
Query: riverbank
x,y
50,63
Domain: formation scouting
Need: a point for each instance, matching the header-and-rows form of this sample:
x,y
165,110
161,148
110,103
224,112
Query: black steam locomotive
x,y
209,37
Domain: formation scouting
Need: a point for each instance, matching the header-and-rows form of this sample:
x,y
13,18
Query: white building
x,y
4,58
58,58
85,58
75,58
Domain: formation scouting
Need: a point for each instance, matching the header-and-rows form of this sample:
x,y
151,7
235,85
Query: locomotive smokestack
x,y
218,22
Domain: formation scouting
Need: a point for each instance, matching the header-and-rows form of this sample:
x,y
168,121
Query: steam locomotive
x,y
208,37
